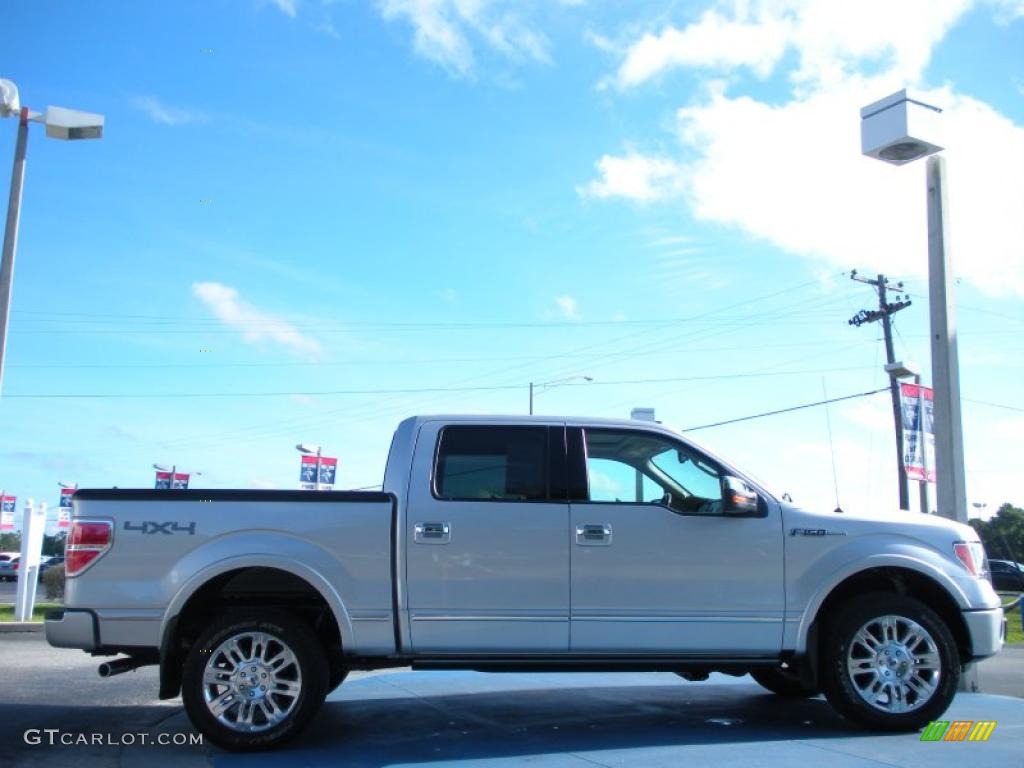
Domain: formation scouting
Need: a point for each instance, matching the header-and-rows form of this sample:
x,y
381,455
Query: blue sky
x,y
422,206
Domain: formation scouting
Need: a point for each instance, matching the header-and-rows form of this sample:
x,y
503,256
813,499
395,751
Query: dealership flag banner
x,y
328,469
913,459
180,480
64,513
307,473
7,512
163,480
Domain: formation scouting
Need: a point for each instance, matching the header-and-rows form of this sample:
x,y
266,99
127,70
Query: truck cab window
x,y
492,462
636,467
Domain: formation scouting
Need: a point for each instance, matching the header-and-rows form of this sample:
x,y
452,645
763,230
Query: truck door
x,y
487,552
655,565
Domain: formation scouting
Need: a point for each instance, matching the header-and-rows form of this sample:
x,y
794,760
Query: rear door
x,y
655,566
487,551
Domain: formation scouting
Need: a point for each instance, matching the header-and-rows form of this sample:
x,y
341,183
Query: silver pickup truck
x,y
503,544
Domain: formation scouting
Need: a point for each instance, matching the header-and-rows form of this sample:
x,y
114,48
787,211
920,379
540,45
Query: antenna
x,y
831,447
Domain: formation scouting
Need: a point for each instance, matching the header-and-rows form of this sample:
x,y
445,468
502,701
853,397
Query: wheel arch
x,y
246,581
931,588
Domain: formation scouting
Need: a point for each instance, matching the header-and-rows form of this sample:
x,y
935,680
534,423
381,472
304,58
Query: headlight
x,y
972,555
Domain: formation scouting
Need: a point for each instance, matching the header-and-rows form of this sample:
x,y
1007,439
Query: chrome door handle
x,y
432,533
591,535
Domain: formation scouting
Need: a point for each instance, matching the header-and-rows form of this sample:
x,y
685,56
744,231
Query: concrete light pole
x,y
891,131
60,123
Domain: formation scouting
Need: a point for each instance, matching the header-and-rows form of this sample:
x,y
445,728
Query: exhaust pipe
x,y
119,666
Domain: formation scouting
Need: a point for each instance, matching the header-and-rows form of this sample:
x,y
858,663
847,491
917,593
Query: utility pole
x,y
884,314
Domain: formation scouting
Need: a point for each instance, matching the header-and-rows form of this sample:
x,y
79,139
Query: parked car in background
x,y
51,562
9,569
1007,576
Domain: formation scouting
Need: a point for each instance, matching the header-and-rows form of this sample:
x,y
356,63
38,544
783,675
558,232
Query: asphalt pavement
x,y
465,718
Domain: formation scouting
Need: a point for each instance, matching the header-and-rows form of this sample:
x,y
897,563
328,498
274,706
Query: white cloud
x,y
790,172
287,7
166,115
793,175
254,325
634,176
714,41
567,307
443,30
831,39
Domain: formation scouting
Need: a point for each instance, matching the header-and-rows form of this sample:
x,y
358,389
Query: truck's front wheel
x,y
889,662
254,679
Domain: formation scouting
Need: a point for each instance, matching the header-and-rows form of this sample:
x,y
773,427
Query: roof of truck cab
x,y
540,419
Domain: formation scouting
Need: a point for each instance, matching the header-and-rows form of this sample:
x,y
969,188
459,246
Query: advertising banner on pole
x,y
918,453
328,469
180,480
7,513
307,473
163,480
64,512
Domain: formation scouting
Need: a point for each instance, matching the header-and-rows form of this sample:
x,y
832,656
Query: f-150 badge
x,y
815,532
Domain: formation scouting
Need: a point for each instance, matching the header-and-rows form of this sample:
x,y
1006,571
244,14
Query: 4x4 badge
x,y
170,527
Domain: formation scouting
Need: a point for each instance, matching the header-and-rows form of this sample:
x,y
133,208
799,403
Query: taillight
x,y
87,541
972,555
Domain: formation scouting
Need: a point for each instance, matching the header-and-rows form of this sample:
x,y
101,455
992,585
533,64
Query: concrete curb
x,y
21,626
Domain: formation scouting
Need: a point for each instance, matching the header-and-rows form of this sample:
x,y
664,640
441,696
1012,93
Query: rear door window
x,y
492,462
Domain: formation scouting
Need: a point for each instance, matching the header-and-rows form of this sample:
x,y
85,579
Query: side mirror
x,y
738,498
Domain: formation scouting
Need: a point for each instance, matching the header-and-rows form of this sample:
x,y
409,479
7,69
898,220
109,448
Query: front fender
x,y
814,585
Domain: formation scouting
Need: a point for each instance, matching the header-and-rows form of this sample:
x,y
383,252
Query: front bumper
x,y
986,630
71,628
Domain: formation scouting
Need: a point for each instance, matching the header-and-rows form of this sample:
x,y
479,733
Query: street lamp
x,y
555,383
901,370
306,448
892,131
68,124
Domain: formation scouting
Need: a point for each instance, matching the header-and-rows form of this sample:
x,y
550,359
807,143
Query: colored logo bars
x,y
958,730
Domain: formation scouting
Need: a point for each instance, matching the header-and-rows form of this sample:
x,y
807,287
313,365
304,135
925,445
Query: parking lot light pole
x,y
892,130
67,124
546,384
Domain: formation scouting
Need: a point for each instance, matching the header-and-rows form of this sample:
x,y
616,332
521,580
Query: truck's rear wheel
x,y
889,662
254,679
783,682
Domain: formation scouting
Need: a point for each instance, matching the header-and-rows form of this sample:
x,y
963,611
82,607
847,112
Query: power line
x,y
994,405
786,410
411,390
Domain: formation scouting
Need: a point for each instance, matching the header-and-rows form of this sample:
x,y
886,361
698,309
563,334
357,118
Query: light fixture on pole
x,y
60,123
555,383
893,130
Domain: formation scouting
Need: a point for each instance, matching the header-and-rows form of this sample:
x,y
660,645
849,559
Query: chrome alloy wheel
x,y
894,664
252,682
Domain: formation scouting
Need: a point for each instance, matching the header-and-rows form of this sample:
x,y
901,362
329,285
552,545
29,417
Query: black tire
x,y
283,653
885,670
783,682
